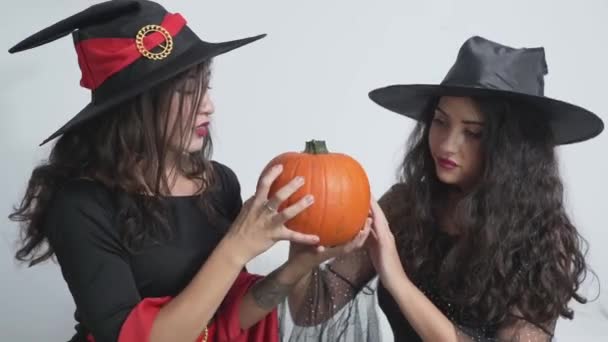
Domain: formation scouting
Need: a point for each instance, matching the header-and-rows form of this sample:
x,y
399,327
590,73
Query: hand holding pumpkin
x,y
259,225
382,250
306,257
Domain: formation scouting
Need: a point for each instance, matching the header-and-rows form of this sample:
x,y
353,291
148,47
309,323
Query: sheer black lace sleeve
x,y
517,330
338,303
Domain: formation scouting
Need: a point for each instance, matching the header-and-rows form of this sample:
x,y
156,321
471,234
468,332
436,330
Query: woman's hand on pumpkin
x,y
382,248
307,257
259,225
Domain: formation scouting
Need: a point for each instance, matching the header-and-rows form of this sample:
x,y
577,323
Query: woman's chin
x,y
196,145
448,178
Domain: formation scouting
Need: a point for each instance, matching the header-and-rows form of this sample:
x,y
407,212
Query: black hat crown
x,y
486,64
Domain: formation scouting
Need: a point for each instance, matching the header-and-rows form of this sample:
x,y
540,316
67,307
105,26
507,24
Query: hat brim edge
x,y
401,98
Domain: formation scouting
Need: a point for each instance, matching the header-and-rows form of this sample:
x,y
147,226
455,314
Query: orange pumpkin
x,y
340,188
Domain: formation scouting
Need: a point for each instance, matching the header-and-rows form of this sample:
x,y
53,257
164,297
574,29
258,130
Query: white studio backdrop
x,y
308,79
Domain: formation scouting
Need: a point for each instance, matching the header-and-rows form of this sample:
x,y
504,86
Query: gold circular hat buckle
x,y
167,47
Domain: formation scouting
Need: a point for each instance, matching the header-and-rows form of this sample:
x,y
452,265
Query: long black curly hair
x,y
127,150
517,251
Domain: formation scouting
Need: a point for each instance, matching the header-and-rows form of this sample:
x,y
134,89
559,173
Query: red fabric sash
x,y
100,58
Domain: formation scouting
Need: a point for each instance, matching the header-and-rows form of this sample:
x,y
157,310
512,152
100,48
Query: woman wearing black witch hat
x,y
480,247
151,235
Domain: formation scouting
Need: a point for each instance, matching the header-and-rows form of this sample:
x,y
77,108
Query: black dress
x,y
105,278
467,328
402,330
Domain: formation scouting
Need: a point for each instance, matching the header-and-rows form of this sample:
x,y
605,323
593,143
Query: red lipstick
x,y
447,163
202,130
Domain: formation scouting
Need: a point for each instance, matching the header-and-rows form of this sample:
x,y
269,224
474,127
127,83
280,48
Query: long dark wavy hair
x,y
518,255
127,150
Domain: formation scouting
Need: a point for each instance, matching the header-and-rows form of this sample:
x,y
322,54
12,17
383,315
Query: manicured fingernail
x,y
309,199
300,180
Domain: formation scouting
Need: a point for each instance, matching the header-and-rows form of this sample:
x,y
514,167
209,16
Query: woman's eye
x,y
473,134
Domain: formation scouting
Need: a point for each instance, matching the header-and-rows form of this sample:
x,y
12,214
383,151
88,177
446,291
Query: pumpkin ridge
x,y
307,188
318,201
292,200
339,229
323,171
349,179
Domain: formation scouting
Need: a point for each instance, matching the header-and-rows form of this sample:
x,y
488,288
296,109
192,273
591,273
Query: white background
x,y
308,79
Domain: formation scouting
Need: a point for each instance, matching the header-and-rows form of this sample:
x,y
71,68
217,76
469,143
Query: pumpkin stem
x,y
316,147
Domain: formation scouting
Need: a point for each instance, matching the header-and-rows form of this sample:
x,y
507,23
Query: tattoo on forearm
x,y
269,292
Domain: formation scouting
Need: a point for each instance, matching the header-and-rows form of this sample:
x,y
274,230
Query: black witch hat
x,y
483,68
125,47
